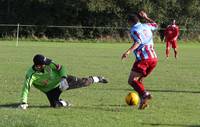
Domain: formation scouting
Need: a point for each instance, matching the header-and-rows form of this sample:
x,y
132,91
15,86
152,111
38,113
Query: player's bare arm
x,y
131,49
144,15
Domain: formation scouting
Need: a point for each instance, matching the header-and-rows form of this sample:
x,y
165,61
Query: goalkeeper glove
x,y
23,106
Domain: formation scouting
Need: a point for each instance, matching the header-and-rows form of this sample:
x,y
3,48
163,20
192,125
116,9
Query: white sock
x,y
95,79
63,103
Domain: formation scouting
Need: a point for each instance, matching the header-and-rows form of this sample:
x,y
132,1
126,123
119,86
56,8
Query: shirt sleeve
x,y
26,88
153,26
176,32
59,68
136,37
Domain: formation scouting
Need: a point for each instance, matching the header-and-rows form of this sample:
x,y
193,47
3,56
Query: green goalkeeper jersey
x,y
44,81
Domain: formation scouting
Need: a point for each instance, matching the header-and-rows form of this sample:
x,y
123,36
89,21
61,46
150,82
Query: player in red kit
x,y
171,34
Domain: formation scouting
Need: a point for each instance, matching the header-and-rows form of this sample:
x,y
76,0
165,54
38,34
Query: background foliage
x,y
104,13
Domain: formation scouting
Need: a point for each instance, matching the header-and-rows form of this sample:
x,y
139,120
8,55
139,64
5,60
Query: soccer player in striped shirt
x,y
143,49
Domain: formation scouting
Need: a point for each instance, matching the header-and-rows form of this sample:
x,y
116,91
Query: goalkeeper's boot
x,y
62,103
98,79
102,79
145,100
65,103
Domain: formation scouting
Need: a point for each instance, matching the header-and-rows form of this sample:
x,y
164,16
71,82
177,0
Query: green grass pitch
x,y
174,84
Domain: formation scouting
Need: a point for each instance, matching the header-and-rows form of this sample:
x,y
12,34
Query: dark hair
x,y
133,18
41,60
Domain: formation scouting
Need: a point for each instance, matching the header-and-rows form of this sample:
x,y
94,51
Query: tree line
x,y
94,13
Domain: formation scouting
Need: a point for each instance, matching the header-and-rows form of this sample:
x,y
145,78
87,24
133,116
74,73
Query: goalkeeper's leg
x,y
75,82
53,97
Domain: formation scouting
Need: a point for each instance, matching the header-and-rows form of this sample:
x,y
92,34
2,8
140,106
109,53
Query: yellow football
x,y
132,99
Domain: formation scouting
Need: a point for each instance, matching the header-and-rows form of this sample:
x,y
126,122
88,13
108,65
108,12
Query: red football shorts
x,y
171,42
145,67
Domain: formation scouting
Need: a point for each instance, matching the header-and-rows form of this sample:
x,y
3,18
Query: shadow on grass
x,y
102,107
39,106
109,108
113,89
11,105
175,91
152,90
15,105
170,125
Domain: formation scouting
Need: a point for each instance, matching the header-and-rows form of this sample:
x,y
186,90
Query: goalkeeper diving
x,y
51,78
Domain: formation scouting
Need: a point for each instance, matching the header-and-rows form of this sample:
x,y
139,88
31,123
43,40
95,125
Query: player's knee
x,y
87,81
131,81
